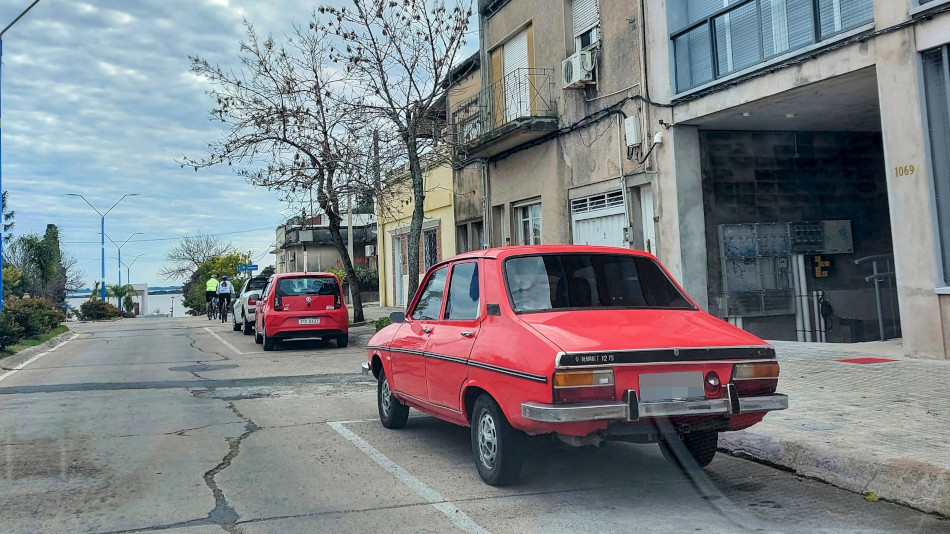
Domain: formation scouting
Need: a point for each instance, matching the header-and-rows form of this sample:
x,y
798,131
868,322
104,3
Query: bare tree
x,y
189,253
75,277
400,53
292,123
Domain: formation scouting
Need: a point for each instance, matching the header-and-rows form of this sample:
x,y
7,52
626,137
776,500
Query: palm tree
x,y
128,303
119,292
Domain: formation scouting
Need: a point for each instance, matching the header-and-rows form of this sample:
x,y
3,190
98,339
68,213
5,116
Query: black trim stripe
x,y
664,355
462,361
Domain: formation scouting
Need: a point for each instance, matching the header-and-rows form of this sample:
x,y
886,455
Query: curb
x,y
16,359
920,485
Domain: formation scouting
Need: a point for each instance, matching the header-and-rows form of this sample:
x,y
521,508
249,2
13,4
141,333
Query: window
x,y
310,285
430,246
469,236
714,38
461,238
586,15
529,224
463,299
937,88
554,281
430,303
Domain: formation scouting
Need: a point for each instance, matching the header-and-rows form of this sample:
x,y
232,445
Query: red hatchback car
x,y
585,343
301,305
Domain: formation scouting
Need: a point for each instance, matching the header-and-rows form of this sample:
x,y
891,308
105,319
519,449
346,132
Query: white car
x,y
243,307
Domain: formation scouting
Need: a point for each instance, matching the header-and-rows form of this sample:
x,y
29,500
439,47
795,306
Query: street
x,y
181,425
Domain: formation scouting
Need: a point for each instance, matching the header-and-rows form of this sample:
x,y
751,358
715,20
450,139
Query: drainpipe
x,y
803,284
486,206
799,321
623,177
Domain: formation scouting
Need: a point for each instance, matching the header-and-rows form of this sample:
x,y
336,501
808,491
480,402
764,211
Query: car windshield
x,y
582,281
256,283
311,285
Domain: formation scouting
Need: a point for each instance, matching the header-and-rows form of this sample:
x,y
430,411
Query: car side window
x,y
462,304
430,301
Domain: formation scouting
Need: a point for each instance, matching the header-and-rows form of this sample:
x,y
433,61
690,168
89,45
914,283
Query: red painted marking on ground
x,y
866,360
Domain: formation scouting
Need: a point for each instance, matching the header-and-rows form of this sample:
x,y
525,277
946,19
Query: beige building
x,y
438,230
787,160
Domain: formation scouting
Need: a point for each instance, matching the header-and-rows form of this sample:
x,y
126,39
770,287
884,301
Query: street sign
x,y
250,267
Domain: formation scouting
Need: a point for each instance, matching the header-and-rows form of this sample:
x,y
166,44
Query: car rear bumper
x,y
303,334
626,411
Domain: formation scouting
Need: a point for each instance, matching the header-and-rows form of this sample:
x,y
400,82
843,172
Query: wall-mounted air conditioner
x,y
370,250
577,70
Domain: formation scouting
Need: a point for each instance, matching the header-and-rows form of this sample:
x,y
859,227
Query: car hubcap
x,y
385,398
487,440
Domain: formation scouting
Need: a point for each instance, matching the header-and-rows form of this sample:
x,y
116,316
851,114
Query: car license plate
x,y
308,320
659,387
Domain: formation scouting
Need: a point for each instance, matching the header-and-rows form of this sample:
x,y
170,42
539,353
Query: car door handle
x,y
426,330
467,334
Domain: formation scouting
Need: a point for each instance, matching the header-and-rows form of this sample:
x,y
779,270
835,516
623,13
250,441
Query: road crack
x,y
223,513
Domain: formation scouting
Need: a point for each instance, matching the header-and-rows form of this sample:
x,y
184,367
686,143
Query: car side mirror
x,y
397,317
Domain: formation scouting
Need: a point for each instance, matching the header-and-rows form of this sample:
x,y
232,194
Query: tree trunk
x,y
331,208
418,214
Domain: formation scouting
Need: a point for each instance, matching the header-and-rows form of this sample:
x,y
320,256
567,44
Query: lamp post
x,y
128,267
120,252
102,230
20,16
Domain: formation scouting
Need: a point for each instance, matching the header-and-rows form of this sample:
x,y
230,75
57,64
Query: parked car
x,y
244,306
301,305
586,343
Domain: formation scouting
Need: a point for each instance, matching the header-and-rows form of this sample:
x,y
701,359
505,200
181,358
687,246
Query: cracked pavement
x,y
158,426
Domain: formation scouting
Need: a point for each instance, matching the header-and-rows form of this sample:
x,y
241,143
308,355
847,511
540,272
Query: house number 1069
x,y
906,170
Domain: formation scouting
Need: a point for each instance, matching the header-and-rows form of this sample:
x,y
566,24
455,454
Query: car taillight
x,y
251,302
587,385
755,378
278,304
712,385
337,302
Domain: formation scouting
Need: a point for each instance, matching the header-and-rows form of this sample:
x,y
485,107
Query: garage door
x,y
598,220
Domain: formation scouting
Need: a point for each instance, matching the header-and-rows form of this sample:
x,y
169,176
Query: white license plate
x,y
659,387
308,320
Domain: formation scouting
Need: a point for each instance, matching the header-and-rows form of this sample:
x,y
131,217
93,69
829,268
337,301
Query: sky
x,y
98,100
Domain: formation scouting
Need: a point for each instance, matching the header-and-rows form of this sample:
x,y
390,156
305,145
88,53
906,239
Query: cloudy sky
x,y
98,99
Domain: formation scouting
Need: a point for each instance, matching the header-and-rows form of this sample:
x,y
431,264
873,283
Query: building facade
x,y
306,244
438,230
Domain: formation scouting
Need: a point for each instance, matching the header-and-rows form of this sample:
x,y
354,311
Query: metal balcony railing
x,y
521,94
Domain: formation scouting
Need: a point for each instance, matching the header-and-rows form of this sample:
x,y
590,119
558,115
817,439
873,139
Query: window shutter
x,y
586,15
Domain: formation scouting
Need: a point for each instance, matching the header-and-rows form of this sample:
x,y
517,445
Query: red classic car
x,y
586,343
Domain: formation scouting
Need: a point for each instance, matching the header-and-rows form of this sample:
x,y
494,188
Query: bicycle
x,y
213,309
223,304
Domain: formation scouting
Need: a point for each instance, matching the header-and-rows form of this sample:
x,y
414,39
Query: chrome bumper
x,y
366,368
600,411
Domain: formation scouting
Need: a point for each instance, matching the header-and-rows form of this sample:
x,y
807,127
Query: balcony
x,y
512,111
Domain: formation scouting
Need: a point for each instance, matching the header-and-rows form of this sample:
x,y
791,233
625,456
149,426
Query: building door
x,y
397,272
517,94
598,220
649,228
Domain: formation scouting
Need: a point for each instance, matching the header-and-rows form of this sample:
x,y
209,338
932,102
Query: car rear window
x,y
256,283
584,281
307,285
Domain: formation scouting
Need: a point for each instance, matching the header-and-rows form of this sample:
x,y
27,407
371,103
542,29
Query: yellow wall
x,y
437,205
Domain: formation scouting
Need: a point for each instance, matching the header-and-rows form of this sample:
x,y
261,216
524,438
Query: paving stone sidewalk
x,y
882,427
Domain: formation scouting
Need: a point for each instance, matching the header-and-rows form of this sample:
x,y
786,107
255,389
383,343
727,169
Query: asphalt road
x,y
181,425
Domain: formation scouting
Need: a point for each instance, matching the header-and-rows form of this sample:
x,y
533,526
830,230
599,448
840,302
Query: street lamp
x,y
120,252
20,16
102,229
128,267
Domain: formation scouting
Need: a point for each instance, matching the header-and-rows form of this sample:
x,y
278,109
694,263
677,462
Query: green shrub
x,y
369,278
381,323
94,310
10,332
34,316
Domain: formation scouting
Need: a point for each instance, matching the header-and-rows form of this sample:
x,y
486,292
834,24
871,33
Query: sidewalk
x,y
882,428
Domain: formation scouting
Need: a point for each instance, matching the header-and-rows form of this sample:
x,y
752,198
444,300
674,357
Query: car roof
x,y
300,274
503,252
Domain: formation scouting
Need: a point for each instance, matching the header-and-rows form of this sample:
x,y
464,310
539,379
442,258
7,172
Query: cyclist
x,y
211,289
224,291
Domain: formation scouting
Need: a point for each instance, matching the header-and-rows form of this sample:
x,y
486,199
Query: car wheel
x,y
248,327
342,340
392,413
268,342
258,338
695,451
236,326
498,448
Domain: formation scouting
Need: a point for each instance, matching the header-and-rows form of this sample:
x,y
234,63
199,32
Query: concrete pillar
x,y
909,196
682,226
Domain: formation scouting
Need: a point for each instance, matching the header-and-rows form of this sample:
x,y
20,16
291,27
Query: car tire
x,y
268,342
498,447
342,340
392,413
695,451
258,338
236,326
248,327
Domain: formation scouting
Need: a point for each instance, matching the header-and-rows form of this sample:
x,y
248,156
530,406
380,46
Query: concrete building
x,y
438,229
545,119
306,244
793,138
